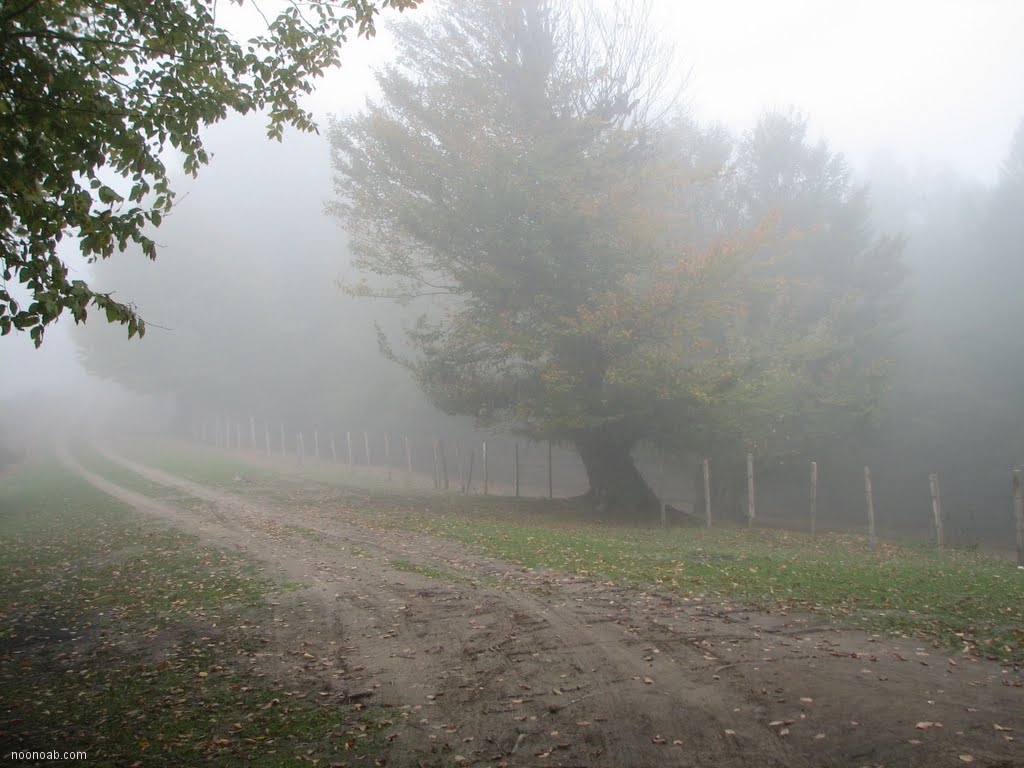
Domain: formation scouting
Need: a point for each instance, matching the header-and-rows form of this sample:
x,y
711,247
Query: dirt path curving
x,y
487,663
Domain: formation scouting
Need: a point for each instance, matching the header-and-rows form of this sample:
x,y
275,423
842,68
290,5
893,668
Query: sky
x,y
932,80
928,83
938,82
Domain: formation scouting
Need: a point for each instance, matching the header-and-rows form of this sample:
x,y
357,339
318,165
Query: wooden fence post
x,y
517,470
750,489
933,483
551,474
483,460
869,498
814,497
707,491
469,475
437,465
458,466
1018,512
661,487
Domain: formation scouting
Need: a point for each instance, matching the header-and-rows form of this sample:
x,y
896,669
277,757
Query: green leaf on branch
x,y
112,86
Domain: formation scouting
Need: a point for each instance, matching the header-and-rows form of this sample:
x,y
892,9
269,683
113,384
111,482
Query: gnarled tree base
x,y
617,489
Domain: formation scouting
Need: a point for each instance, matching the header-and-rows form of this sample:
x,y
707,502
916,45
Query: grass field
x,y
952,598
956,599
135,643
131,642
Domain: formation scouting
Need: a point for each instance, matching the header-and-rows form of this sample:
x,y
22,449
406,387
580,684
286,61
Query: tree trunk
x,y
617,489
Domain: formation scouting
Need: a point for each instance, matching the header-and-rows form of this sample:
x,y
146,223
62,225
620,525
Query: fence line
x,y
538,469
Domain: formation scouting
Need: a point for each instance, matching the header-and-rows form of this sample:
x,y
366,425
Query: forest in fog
x,y
526,233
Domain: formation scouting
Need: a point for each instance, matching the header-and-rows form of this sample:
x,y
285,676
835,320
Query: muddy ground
x,y
485,663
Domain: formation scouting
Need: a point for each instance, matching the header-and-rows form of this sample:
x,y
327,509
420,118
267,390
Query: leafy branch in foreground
x,y
92,95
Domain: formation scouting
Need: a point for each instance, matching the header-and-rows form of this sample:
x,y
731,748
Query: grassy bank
x,y
954,598
137,645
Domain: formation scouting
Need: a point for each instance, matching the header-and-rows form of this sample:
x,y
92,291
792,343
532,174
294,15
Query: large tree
x,y
93,94
595,279
823,329
820,318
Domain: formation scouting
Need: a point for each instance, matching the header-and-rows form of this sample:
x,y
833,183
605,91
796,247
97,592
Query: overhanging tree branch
x,y
113,83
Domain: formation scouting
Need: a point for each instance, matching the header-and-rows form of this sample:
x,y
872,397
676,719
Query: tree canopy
x,y
93,95
603,271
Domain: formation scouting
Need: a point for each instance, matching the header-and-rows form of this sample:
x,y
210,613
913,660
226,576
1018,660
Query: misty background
x,y
924,101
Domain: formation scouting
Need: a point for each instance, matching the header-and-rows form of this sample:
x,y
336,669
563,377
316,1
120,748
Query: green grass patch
x,y
199,463
116,473
292,486
136,644
441,574
215,466
952,598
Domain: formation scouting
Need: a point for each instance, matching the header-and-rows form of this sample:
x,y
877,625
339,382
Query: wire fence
x,y
811,496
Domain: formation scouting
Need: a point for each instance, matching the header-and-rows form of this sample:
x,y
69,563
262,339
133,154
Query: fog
x,y
246,319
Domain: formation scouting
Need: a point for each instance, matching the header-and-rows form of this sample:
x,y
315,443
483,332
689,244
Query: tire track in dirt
x,y
513,672
508,666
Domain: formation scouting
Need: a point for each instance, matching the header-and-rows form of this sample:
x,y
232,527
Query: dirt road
x,y
488,664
